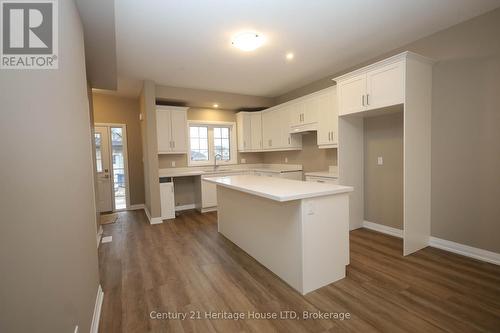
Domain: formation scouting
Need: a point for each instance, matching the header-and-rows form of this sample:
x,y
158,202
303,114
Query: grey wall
x,y
48,256
465,129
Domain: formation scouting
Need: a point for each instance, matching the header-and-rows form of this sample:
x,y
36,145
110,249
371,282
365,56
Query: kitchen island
x,y
298,230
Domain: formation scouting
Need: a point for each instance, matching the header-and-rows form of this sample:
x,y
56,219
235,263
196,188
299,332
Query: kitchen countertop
x,y
326,174
277,188
208,170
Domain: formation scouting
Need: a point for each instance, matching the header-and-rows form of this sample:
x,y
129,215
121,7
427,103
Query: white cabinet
x,y
171,129
373,88
244,129
328,118
249,126
289,141
256,128
167,200
271,129
385,86
208,196
304,111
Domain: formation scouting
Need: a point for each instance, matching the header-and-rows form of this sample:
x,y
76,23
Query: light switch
x,y
380,160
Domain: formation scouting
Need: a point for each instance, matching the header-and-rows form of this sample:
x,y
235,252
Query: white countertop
x,y
208,170
326,174
278,189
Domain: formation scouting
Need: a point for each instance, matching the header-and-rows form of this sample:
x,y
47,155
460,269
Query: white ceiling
x,y
186,43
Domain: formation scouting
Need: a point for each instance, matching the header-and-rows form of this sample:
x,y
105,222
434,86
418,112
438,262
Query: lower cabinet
x,y
167,198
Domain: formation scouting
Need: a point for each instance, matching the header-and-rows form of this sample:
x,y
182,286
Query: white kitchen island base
x,y
304,241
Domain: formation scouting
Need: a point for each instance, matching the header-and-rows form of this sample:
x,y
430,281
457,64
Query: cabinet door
x,y
244,131
328,118
310,110
285,119
351,95
385,86
179,131
270,128
256,128
167,200
296,112
163,131
208,194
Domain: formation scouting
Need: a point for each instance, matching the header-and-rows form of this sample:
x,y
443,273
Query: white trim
x,y
99,235
184,207
383,229
209,209
152,220
465,250
136,207
233,142
94,328
171,107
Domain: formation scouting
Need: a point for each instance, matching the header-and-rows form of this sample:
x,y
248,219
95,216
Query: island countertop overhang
x,y
278,189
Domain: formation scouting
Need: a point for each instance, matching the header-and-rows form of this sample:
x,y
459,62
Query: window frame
x,y
211,144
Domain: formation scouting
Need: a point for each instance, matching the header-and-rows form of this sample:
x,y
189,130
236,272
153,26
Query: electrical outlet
x,y
286,159
243,161
173,164
310,208
380,160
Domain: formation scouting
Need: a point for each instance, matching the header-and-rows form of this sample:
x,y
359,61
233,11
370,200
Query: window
x,y
211,140
98,152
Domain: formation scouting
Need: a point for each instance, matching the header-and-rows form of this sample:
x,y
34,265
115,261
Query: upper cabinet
x,y
249,128
328,118
171,129
371,88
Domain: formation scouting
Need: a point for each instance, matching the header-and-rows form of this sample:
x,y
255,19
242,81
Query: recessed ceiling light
x,y
215,105
290,56
248,40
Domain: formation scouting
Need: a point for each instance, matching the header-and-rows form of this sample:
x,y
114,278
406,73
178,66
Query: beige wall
x,y
465,129
383,136
150,149
123,110
48,257
311,157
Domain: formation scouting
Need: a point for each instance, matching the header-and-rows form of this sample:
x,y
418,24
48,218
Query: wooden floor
x,y
185,266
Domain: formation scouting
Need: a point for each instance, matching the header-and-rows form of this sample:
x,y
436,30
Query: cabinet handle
x,y
363,100
329,136
173,144
367,100
288,140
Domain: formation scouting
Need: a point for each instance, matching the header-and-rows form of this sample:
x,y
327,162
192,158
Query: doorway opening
x,y
112,167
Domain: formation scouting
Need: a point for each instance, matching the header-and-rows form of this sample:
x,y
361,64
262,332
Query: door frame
x,y
125,156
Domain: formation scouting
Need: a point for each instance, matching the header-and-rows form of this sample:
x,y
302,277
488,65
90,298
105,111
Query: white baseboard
x,y
383,229
446,245
99,235
184,207
209,209
152,220
94,328
465,250
136,207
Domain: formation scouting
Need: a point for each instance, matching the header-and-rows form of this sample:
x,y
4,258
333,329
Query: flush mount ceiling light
x,y
215,105
290,56
248,40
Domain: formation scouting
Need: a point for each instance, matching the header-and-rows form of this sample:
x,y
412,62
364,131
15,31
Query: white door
x,y
351,94
385,86
179,131
327,130
167,200
163,129
311,110
104,190
256,127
